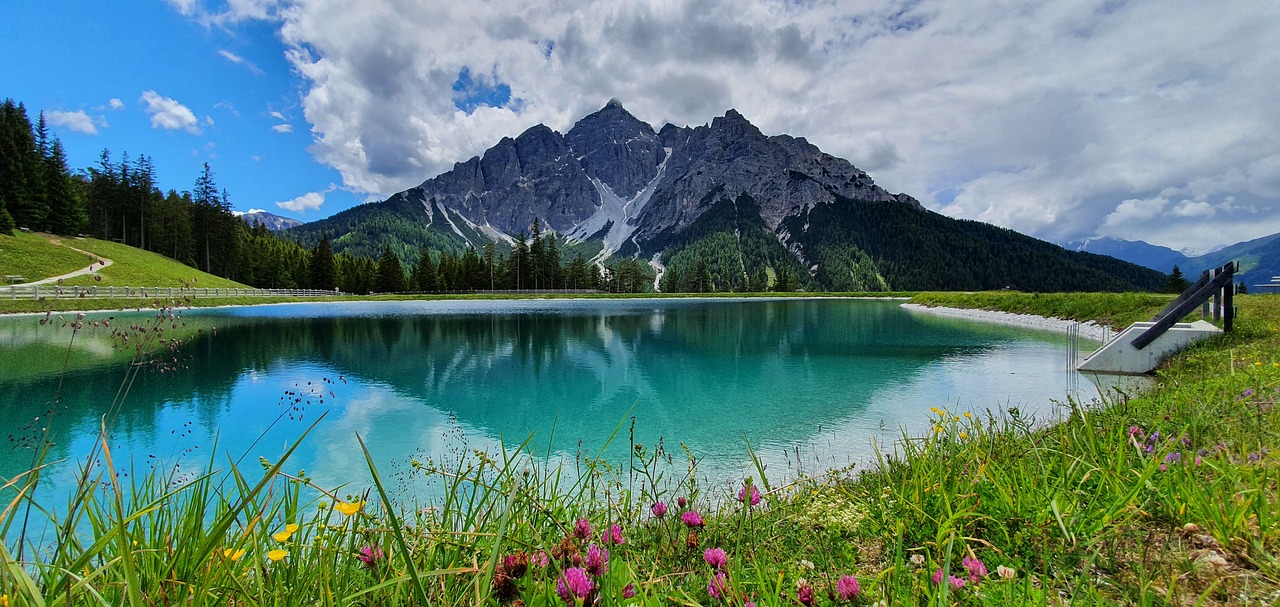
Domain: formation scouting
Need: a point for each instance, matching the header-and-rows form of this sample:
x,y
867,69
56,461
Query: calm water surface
x,y
809,383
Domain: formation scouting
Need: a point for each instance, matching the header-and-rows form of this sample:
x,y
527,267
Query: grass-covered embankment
x,y
1163,498
1116,310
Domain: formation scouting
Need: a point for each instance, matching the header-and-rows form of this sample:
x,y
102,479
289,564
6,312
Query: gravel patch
x,y
1088,329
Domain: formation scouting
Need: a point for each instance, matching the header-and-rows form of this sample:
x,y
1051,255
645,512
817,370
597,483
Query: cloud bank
x,y
1140,119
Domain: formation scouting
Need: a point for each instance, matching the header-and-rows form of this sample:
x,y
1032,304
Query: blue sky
x,y
1138,119
243,97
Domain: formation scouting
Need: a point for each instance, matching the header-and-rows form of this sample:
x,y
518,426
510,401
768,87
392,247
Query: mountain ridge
x,y
614,185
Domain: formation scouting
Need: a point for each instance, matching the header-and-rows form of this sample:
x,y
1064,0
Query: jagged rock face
x,y
785,174
534,175
617,149
549,176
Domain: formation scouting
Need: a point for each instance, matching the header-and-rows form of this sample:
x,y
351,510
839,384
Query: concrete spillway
x,y
1120,356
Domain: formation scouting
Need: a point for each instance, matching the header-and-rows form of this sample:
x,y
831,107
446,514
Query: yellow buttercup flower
x,y
291,528
348,508
963,435
4,600
281,536
966,414
233,554
277,554
1257,363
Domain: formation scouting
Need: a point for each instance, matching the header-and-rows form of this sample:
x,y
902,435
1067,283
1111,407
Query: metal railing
x,y
65,292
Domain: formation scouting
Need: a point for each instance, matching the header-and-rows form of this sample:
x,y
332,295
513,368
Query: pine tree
x,y
424,274
67,214
390,275
323,271
6,220
1177,283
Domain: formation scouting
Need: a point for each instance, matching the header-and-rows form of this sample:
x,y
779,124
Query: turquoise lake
x,y
810,383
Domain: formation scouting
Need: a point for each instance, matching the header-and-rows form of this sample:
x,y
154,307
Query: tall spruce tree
x,y
390,278
323,271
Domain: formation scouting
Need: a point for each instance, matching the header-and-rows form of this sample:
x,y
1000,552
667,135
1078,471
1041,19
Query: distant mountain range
x,y
272,221
720,204
1259,258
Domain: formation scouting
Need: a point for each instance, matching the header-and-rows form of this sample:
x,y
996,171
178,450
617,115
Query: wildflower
x,y
233,555
1164,467
917,559
976,568
692,518
963,435
347,508
597,561
956,583
1135,431
847,586
1198,460
937,428
749,495
1005,572
718,587
277,554
541,559
1254,457
804,592
574,585
716,558
283,536
1257,363
659,509
370,555
582,529
681,502
968,415
613,536
1173,457
516,564
806,564
629,591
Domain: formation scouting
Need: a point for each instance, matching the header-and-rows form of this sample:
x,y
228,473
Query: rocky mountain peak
x,y
617,149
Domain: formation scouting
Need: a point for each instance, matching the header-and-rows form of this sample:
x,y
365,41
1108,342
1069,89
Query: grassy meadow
x,y
1163,498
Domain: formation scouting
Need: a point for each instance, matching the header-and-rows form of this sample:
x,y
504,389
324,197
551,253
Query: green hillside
x,y
39,256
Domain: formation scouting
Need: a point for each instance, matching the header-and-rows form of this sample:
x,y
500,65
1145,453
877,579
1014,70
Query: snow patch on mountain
x,y
616,214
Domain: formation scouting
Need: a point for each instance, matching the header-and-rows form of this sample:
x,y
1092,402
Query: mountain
x,y
272,221
719,206
1259,258
1142,253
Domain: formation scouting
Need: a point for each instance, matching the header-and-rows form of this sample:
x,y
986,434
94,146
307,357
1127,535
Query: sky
x,y
1151,120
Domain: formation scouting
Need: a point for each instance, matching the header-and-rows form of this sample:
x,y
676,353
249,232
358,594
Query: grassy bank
x,y
1117,310
1168,497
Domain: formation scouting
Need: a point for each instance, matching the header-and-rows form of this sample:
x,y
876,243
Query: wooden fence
x,y
64,292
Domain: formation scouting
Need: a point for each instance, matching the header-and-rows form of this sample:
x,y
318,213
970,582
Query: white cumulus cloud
x,y
115,104
77,121
306,202
167,113
1047,119
283,128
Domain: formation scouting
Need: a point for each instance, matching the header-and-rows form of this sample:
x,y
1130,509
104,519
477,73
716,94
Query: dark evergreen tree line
x,y
37,190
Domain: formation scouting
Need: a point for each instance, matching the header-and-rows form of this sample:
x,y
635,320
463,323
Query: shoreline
x,y
653,296
1088,329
